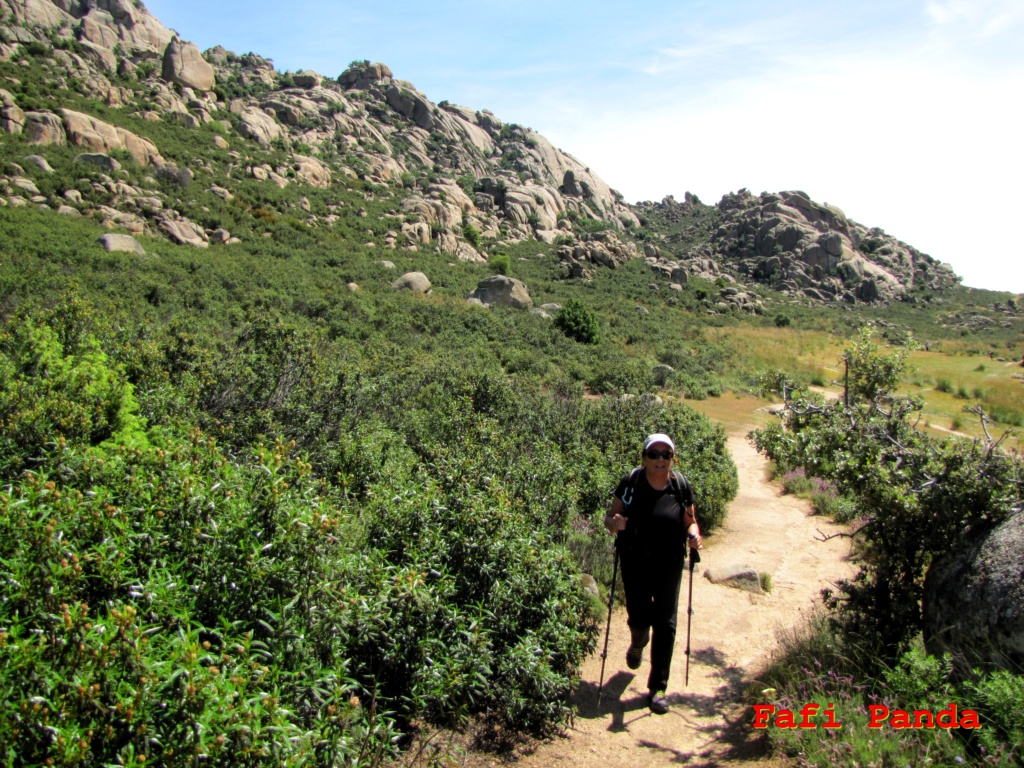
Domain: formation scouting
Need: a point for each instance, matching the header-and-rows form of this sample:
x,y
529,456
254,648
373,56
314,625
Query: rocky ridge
x,y
463,177
794,245
467,171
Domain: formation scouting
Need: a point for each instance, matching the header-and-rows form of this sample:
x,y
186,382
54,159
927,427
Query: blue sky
x,y
908,115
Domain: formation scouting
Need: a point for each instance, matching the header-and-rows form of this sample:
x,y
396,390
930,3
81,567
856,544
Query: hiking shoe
x,y
634,656
657,702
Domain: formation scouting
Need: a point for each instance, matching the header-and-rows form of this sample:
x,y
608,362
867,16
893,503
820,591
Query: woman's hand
x,y
615,522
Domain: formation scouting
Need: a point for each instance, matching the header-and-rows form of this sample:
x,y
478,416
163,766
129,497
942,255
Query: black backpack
x,y
677,482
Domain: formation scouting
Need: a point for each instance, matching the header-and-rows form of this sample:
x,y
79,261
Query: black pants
x,y
652,601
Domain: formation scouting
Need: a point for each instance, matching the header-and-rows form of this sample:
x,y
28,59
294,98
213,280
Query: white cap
x,y
658,437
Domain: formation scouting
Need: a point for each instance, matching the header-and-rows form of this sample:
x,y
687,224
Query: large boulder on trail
x,y
974,598
743,577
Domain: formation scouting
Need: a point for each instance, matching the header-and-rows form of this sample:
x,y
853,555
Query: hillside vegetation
x,y
266,497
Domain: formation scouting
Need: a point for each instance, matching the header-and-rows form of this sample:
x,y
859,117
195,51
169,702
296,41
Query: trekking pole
x,y
694,559
608,625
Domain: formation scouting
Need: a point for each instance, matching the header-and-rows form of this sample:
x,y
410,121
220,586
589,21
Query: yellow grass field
x,y
947,381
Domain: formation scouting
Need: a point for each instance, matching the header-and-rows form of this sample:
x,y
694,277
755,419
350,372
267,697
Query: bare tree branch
x,y
840,534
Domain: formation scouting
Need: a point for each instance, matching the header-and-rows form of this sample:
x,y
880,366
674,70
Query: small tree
x,y
501,264
872,373
577,322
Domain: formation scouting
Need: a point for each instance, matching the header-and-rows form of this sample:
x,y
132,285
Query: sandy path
x,y
733,632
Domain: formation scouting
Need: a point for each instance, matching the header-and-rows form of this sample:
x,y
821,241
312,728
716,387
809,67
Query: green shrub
x,y
622,376
577,322
815,664
501,264
830,504
472,234
798,483
175,595
38,49
999,698
123,156
783,321
693,388
944,384
917,495
238,552
920,680
468,183
58,389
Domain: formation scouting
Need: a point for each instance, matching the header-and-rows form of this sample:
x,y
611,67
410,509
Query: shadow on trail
x,y
730,739
736,741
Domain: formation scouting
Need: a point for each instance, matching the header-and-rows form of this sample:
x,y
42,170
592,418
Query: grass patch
x,y
830,504
813,663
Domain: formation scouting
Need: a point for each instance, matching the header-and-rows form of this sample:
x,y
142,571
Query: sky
x,y
908,115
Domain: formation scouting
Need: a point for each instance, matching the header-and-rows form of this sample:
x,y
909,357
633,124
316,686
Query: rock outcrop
x,y
469,181
259,126
102,23
502,291
414,282
795,245
973,602
602,249
183,65
86,131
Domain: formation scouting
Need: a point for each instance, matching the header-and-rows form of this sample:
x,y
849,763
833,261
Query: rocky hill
x,y
462,178
794,245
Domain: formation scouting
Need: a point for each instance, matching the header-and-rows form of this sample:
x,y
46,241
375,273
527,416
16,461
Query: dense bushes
x,y
266,548
820,666
915,498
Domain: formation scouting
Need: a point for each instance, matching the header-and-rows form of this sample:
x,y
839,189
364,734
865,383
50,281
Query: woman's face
x,y
658,457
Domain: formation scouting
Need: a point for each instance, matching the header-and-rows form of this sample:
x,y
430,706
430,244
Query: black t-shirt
x,y
656,522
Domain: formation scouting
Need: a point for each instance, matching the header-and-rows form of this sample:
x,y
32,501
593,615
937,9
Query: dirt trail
x,y
733,632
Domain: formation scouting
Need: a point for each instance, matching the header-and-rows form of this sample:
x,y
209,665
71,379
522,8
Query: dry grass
x,y
968,378
736,412
808,354
949,382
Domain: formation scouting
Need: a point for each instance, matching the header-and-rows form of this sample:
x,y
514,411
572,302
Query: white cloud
x,y
976,18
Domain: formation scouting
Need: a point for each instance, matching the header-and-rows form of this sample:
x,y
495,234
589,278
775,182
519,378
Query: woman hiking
x,y
654,517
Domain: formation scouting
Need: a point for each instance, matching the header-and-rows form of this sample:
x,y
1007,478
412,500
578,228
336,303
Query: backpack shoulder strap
x,y
627,494
679,483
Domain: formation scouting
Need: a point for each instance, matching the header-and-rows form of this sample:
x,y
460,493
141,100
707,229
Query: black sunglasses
x,y
659,454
